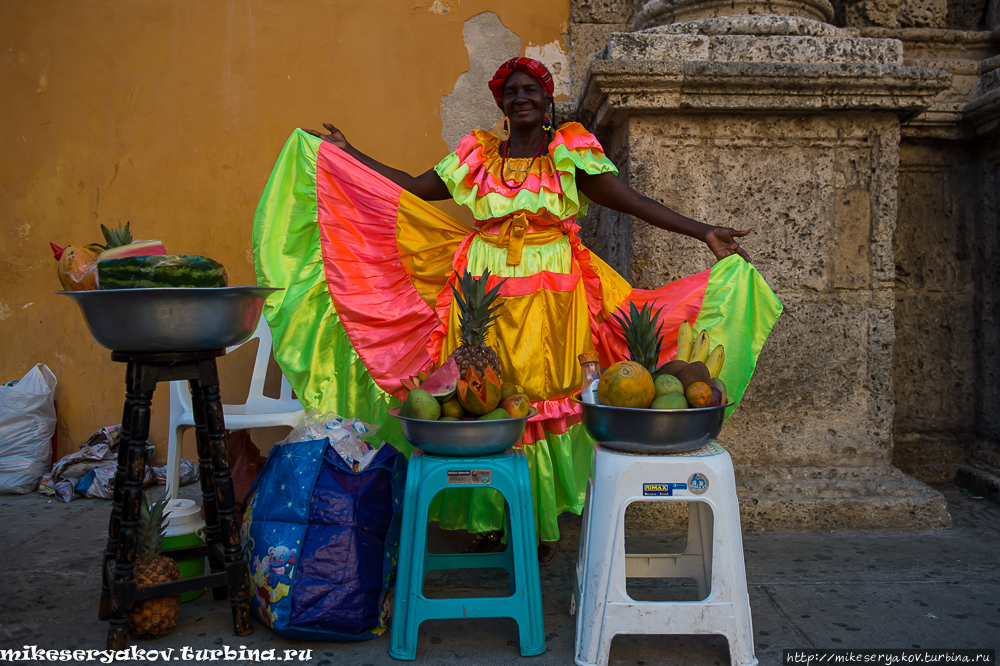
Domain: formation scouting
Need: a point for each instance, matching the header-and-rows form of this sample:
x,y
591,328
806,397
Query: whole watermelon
x,y
168,270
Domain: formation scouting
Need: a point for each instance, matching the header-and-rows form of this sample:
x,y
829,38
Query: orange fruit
x,y
626,384
698,394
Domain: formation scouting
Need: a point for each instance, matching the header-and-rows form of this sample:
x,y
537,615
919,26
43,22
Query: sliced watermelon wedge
x,y
139,248
442,382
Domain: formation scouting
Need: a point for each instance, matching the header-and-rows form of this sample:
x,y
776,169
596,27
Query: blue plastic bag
x,y
322,541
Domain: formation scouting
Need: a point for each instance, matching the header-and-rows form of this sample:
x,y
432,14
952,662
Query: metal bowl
x,y
171,319
652,431
463,438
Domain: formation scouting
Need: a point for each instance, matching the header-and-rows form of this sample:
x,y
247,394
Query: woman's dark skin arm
x,y
603,189
525,103
427,186
607,190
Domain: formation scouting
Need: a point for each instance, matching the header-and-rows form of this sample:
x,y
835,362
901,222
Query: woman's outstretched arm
x,y
428,185
608,191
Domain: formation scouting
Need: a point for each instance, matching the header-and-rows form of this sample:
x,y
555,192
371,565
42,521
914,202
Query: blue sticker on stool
x,y
697,483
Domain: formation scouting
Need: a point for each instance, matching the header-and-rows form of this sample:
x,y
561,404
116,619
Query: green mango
x,y
497,413
420,404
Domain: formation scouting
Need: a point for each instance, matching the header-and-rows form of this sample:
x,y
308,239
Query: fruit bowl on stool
x,y
463,438
171,319
652,431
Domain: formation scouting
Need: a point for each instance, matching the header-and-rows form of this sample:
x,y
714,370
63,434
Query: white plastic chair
x,y
259,411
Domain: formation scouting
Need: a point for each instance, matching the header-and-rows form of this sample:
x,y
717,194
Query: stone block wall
x,y
980,472
879,231
607,232
986,305
591,22
935,369
819,193
945,14
791,127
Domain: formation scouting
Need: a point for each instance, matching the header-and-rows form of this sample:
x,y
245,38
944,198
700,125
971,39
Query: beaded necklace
x,y
504,167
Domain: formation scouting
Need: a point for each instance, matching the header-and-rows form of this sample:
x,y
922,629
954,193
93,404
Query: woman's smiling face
x,y
524,100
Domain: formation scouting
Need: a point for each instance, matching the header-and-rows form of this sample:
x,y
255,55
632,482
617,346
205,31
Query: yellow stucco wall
x,y
169,114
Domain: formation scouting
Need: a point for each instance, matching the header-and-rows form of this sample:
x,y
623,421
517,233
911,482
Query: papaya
x,y
479,394
77,266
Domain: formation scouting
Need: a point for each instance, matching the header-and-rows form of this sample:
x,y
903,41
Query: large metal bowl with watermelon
x,y
463,438
171,319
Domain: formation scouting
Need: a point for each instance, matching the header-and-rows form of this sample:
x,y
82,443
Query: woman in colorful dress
x,y
369,268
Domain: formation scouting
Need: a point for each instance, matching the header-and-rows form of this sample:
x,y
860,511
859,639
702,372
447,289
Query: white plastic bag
x,y
27,421
344,435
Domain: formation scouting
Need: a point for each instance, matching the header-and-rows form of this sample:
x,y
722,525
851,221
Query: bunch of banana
x,y
691,348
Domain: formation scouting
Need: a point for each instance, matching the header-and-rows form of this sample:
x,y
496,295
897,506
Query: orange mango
x,y
698,394
516,405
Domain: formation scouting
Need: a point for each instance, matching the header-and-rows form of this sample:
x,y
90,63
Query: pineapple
x,y
153,617
116,237
643,337
477,310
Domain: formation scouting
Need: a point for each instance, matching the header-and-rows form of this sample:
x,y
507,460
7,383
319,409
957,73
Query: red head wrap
x,y
527,65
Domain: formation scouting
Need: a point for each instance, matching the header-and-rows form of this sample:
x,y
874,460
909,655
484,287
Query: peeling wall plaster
x,y
470,105
554,56
489,43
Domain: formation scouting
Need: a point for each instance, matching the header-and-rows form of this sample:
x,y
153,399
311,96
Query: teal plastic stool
x,y
426,476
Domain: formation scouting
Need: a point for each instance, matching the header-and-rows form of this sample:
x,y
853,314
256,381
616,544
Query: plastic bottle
x,y
591,366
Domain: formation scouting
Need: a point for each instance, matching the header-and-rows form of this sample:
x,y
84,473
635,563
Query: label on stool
x,y
469,477
697,483
661,489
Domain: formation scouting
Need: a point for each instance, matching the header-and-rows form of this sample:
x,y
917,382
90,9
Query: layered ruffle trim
x,y
474,174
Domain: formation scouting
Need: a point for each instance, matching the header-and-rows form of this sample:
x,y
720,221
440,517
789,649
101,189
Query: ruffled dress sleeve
x,y
573,149
472,174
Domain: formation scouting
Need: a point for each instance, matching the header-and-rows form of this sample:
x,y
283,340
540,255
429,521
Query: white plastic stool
x,y
713,557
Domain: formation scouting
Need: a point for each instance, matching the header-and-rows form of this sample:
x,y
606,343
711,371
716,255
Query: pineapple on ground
x,y
154,617
477,308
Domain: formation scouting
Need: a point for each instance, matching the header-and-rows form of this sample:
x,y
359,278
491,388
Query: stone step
x,y
830,498
979,481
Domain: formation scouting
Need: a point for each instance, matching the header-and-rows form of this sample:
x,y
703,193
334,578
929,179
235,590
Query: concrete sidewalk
x,y
935,589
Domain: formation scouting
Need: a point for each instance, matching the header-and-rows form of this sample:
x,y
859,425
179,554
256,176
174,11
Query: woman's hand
x,y
607,190
335,136
720,240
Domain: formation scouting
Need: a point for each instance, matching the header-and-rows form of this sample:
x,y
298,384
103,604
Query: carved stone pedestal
x,y
790,127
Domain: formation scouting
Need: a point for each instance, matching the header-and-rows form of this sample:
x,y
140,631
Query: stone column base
x,y
794,498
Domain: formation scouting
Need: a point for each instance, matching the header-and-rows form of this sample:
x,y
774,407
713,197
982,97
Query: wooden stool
x,y
229,573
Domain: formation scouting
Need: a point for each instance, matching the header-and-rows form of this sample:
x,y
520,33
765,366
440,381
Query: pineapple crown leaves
x,y
477,306
152,528
116,237
643,336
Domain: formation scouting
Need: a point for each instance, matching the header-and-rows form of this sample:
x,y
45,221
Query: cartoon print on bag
x,y
272,578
